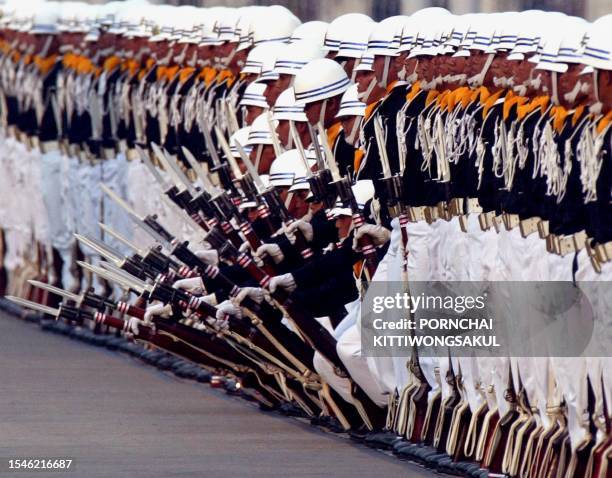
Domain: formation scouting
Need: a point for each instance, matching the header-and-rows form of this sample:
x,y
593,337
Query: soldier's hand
x,y
300,225
285,281
209,256
378,234
193,285
256,294
157,310
224,310
271,250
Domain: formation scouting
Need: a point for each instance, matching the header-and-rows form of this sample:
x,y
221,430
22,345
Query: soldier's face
x,y
266,158
363,80
252,112
522,70
313,111
604,78
204,52
276,87
283,132
298,207
348,123
237,61
573,88
348,64
540,83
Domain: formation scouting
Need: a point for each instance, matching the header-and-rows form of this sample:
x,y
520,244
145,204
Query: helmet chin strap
x,y
478,79
194,58
352,136
229,58
366,94
555,92
181,57
258,158
288,199
290,143
597,107
385,76
354,72
45,49
322,114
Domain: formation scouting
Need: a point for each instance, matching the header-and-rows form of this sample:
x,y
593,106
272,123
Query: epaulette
x,y
604,122
538,102
161,72
208,74
431,96
370,109
225,75
462,96
111,63
133,67
511,100
44,65
578,112
171,72
185,74
558,115
490,101
415,89
332,133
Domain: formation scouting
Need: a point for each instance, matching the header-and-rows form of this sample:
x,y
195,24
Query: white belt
x,y
48,146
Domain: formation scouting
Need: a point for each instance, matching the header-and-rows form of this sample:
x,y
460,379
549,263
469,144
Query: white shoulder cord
x,y
590,157
400,132
535,143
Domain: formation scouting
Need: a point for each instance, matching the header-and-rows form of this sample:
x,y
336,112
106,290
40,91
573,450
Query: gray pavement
x,y
119,418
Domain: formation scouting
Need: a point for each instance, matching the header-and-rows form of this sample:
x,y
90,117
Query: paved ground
x,y
119,418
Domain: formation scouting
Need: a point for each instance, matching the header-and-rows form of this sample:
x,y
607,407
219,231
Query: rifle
x,y
343,188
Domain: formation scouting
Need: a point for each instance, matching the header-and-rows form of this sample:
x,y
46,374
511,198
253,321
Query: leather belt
x,y
109,153
431,214
131,154
473,206
564,245
416,214
455,206
443,211
486,220
48,146
34,142
498,221
510,221
543,229
599,254
603,252
529,226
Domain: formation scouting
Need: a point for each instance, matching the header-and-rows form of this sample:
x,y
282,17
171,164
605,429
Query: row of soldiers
x,y
225,183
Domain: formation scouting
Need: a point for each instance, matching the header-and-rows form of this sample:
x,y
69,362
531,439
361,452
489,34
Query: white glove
x,y
300,225
132,326
193,285
226,308
157,310
379,235
256,294
209,256
209,299
285,281
272,250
